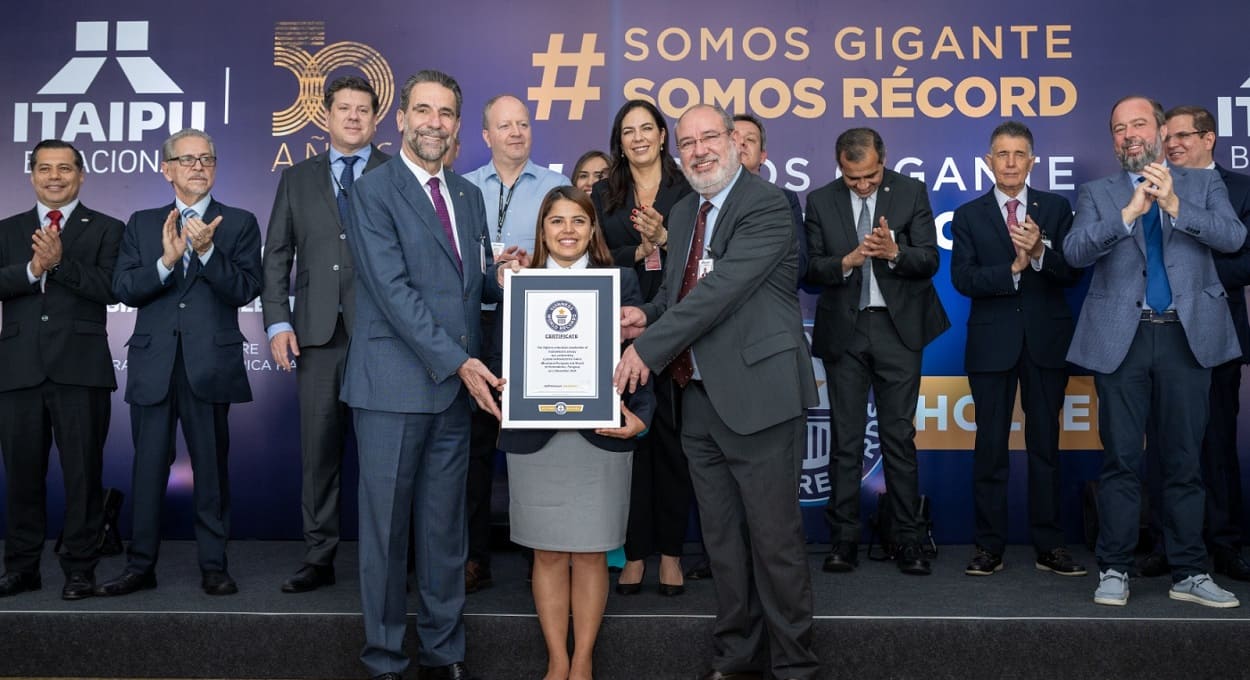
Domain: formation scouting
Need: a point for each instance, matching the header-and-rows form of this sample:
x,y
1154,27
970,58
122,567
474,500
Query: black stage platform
x,y
874,623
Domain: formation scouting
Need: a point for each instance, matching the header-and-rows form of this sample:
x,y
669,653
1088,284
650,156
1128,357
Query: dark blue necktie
x,y
345,182
1158,290
188,213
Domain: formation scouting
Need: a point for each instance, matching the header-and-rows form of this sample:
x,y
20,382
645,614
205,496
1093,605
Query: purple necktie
x,y
440,207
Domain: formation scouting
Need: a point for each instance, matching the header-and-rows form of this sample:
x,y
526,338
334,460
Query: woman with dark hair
x,y
569,489
591,167
633,203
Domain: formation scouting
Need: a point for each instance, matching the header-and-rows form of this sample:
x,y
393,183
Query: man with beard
x,y
1153,324
726,319
423,268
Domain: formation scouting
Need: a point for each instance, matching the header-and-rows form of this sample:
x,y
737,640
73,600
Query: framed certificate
x,y
561,342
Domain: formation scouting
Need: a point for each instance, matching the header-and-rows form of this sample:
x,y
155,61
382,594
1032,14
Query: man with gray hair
x,y
187,266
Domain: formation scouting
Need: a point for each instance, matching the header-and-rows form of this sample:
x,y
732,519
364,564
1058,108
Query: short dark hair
x,y
1203,120
431,76
620,181
351,83
854,144
55,144
1155,107
748,118
1012,128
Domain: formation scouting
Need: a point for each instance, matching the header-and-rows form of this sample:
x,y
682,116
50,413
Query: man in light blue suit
x,y
1153,324
423,268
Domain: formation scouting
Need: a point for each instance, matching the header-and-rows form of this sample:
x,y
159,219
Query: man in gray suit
x,y
306,229
726,320
423,269
1153,324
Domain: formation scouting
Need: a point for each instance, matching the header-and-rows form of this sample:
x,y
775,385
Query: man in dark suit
x,y
188,267
56,272
306,227
726,322
1190,143
1008,258
423,267
874,249
1153,324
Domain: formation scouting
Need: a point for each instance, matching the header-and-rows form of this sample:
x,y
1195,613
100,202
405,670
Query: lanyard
x,y
503,208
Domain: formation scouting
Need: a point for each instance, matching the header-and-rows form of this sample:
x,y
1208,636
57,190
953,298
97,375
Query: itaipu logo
x,y
291,40
60,116
561,316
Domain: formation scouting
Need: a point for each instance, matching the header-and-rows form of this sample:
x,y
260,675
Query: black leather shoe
x,y
1059,561
628,588
671,590
699,572
78,585
1154,564
843,558
127,583
309,577
911,561
1230,563
455,671
15,582
717,675
477,576
984,563
218,583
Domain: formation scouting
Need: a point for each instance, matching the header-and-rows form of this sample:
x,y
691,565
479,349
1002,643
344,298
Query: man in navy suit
x,y
306,230
1190,143
1153,324
1008,258
423,269
56,274
187,266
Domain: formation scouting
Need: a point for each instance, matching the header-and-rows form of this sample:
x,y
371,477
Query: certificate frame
x,y
561,343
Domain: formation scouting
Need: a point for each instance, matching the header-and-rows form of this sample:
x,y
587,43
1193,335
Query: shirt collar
x,y
423,177
362,154
582,262
66,211
200,206
719,199
529,169
1002,198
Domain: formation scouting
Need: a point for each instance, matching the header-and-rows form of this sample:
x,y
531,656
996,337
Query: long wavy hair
x,y
620,181
600,256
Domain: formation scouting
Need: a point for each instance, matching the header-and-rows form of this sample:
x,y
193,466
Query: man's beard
x,y
712,183
1151,152
426,153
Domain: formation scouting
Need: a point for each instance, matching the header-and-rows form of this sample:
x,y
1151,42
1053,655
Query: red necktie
x,y
683,365
54,220
440,207
1012,220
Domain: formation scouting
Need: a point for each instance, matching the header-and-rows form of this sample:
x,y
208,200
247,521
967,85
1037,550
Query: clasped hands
x,y
193,228
650,225
879,243
46,251
1157,188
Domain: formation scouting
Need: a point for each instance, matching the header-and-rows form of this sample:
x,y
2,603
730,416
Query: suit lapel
x,y
407,186
324,189
681,227
471,248
993,216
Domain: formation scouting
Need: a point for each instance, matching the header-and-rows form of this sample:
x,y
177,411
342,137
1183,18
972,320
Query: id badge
x,y
652,261
706,265
497,248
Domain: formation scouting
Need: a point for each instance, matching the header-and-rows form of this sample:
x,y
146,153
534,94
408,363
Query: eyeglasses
x,y
189,161
1184,135
708,139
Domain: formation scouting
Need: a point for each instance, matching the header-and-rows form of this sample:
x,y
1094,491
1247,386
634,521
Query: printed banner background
x,y
933,79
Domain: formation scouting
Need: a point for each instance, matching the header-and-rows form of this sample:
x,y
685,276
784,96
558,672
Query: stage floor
x,y
874,622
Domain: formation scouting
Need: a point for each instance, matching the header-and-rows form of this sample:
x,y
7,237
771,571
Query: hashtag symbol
x,y
580,91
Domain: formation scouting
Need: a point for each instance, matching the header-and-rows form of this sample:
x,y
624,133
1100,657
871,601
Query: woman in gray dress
x,y
569,489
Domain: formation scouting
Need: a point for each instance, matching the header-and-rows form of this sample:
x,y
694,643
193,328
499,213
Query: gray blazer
x,y
1112,310
742,319
305,222
417,315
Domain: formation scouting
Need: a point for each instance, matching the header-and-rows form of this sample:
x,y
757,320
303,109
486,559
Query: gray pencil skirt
x,y
569,496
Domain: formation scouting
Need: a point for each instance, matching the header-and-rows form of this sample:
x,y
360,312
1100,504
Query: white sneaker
x,y
1200,589
1112,588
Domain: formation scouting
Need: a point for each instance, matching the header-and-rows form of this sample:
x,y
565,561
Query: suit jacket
x,y
1002,315
60,335
198,312
641,401
305,222
1234,268
1112,310
623,239
418,317
742,319
907,287
800,232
